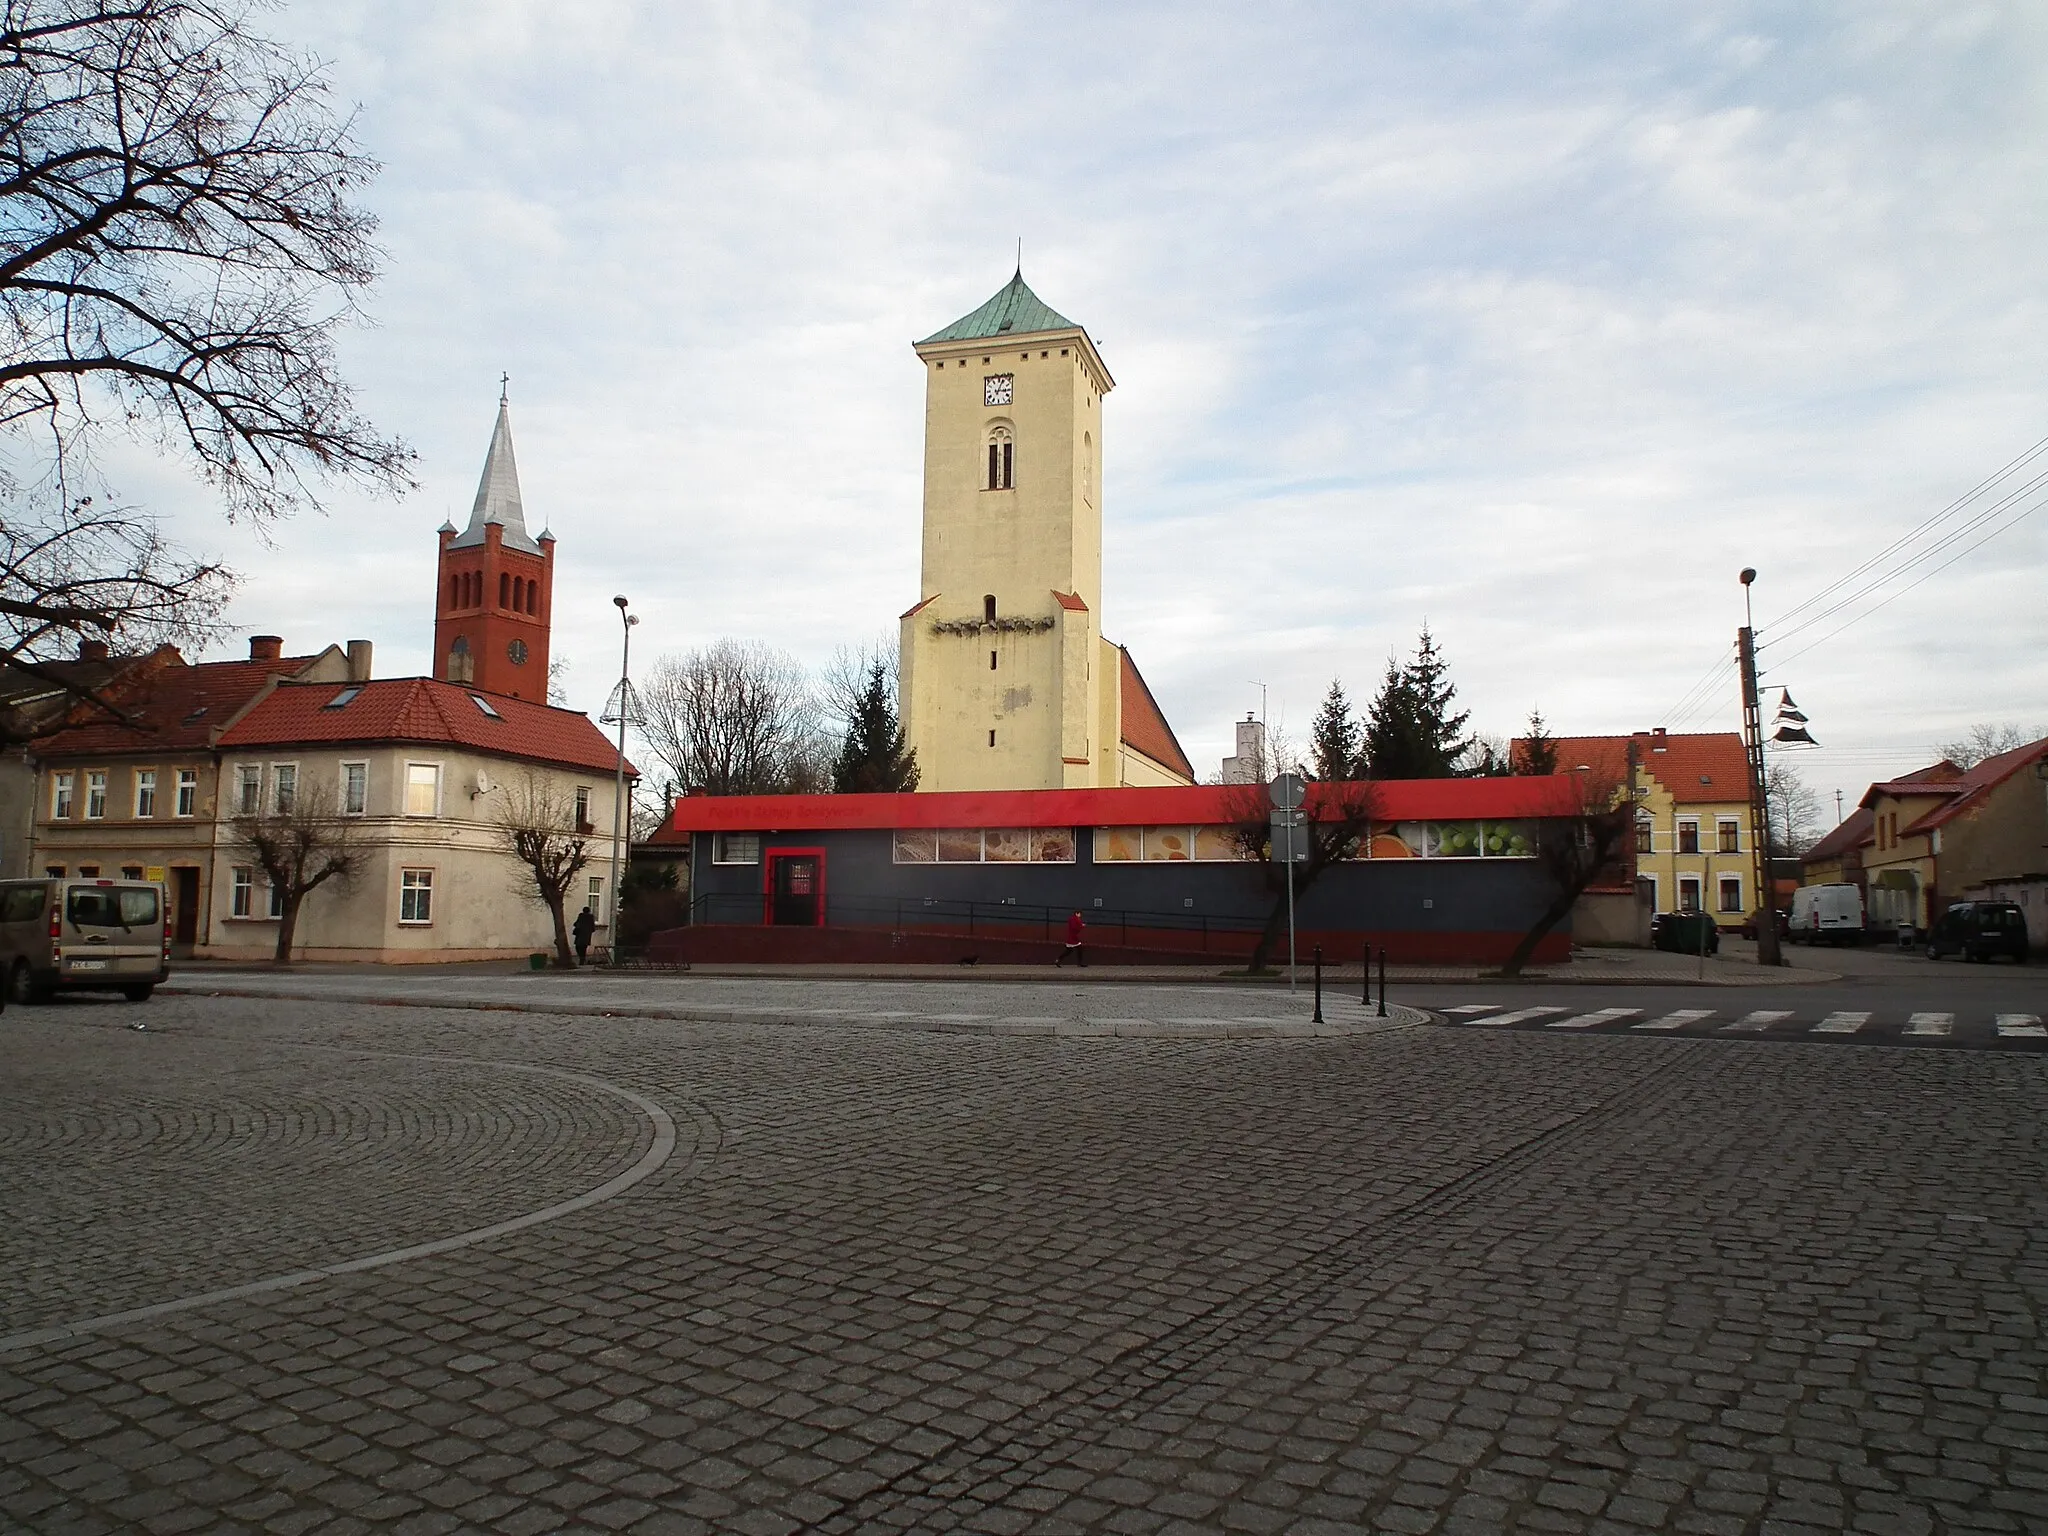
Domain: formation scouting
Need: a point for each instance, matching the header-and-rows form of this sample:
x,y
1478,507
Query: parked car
x,y
1979,930
1684,932
1831,914
1748,925
82,935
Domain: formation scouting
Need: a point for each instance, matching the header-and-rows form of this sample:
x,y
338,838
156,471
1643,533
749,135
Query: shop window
x,y
736,848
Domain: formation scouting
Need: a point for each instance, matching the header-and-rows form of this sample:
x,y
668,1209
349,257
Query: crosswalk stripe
x,y
1841,1024
1753,1023
1469,1009
1678,1020
1931,1024
2021,1026
1524,1015
1599,1016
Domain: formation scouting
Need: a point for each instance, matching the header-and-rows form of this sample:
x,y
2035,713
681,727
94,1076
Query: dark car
x,y
1980,930
1684,932
1748,927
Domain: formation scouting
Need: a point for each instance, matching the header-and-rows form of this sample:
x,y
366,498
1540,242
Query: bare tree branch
x,y
300,841
537,823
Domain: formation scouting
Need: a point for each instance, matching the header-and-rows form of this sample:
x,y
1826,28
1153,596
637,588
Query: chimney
x,y
92,650
1657,730
266,647
359,661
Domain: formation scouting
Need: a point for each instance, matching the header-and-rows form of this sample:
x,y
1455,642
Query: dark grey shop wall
x,y
863,884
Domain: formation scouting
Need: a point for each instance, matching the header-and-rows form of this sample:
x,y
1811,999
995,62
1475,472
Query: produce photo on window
x,y
1006,845
916,846
1168,844
1052,845
1118,845
960,846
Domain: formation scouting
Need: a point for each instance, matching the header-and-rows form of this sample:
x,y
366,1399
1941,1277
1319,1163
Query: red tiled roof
x,y
910,610
1977,782
422,709
1706,766
1176,805
1144,724
1071,602
1852,833
176,706
1942,778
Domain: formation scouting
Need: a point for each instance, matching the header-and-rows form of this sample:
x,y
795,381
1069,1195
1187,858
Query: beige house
x,y
1948,834
1007,681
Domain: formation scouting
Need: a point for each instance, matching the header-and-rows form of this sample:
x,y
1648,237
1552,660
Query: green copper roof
x,y
1014,310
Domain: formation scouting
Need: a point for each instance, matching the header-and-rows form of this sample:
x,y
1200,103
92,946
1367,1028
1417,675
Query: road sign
x,y
1289,791
1290,835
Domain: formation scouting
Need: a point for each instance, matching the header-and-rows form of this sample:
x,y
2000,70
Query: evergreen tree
x,y
1410,732
1539,748
1392,747
1334,738
874,759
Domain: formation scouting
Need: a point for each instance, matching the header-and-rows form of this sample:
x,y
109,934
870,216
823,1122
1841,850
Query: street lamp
x,y
626,623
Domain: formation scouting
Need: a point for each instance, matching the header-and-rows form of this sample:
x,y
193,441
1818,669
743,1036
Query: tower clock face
x,y
997,388
516,652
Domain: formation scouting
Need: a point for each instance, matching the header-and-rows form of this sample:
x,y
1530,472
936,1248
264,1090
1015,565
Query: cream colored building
x,y
1007,681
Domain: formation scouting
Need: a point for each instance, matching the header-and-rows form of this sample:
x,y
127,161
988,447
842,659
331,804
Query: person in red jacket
x,y
1074,930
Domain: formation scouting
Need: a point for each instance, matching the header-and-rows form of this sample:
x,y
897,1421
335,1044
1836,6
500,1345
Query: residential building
x,y
1007,681
35,698
1948,834
1837,859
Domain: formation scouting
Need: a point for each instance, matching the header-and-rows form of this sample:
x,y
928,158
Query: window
x,y
1002,460
276,900
60,796
188,791
416,896
977,845
1688,893
54,871
1088,468
582,806
988,608
1646,835
1731,894
422,789
131,871
1688,837
736,848
248,789
243,902
88,871
355,788
596,899
1730,836
991,661
102,907
95,796
145,794
991,738
504,590
284,782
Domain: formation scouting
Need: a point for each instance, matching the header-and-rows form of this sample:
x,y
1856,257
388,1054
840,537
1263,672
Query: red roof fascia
x,y
1196,805
1071,602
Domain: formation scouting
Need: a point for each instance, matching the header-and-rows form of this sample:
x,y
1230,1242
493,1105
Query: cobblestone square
x,y
288,1265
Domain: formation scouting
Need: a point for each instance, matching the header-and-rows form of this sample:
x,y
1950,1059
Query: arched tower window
x,y
504,589
533,598
519,594
1088,468
1002,458
988,608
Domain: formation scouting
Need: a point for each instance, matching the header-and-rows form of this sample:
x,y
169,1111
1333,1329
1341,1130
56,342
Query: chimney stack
x,y
92,650
266,647
359,661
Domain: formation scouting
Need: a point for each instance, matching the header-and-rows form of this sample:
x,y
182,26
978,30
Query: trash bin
x,y
1907,935
537,962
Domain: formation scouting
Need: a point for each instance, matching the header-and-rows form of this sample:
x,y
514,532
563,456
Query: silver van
x,y
82,936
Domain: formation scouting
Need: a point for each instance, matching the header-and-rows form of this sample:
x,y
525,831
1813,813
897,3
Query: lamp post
x,y
626,623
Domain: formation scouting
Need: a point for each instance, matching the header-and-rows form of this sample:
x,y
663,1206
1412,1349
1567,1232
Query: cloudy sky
x,y
1535,322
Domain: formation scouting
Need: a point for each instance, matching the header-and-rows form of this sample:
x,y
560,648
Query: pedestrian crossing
x,y
1856,1025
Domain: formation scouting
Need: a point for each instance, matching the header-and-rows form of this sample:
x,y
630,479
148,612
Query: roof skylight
x,y
342,699
485,705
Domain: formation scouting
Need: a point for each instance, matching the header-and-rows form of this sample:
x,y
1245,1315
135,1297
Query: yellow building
x,y
1007,681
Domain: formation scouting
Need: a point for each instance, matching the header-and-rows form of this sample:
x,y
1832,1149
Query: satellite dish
x,y
483,785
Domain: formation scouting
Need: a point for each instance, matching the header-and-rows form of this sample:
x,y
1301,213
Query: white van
x,y
1830,913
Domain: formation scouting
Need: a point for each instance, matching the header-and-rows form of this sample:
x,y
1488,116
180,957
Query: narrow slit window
x,y
1009,480
991,738
991,661
988,608
995,467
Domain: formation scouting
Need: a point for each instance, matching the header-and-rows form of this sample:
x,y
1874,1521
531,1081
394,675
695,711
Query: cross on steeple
x,y
504,384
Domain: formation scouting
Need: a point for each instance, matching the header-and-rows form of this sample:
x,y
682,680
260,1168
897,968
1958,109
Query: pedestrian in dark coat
x,y
584,927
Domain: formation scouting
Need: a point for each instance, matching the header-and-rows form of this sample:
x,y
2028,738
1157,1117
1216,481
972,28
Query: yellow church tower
x,y
1006,681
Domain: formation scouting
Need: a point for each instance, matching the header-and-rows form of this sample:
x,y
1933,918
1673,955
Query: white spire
x,y
497,494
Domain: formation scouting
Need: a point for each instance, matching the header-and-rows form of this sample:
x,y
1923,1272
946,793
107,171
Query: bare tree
x,y
301,842
736,718
1575,851
1987,740
558,681
537,821
1340,817
1795,810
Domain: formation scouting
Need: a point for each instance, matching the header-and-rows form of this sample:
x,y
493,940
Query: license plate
x,y
88,965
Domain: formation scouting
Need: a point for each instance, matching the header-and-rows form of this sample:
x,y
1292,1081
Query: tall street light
x,y
625,711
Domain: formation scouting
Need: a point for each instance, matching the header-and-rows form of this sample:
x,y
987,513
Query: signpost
x,y
1290,843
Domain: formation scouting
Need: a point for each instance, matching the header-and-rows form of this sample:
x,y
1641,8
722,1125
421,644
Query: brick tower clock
x,y
495,598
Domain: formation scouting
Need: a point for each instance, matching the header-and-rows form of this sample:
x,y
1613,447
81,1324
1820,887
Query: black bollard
x,y
1319,984
1383,981
1365,971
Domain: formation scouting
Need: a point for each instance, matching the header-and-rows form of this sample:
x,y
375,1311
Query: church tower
x,y
1006,681
495,599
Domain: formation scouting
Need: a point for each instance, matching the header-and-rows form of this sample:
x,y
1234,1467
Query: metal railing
x,y
999,919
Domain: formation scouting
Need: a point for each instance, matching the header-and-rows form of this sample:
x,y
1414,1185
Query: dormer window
x,y
1001,459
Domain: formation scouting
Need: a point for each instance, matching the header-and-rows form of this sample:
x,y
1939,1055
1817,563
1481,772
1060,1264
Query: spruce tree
x,y
1539,748
1392,749
875,759
1440,737
1334,737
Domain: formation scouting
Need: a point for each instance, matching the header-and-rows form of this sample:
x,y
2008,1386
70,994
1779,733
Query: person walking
x,y
1075,928
584,927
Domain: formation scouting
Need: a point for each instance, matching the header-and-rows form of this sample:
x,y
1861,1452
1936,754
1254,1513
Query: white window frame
x,y
96,794
362,809
1721,884
186,805
145,785
281,797
595,898
1699,897
63,791
720,840
242,891
1645,822
583,807
248,789
276,901
408,886
436,768
1685,822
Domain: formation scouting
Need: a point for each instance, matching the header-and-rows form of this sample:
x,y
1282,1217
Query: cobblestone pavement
x,y
1421,1279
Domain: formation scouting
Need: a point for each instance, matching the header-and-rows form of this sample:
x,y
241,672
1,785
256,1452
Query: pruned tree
x,y
874,758
735,718
300,841
1334,737
1575,851
1340,818
1986,739
536,821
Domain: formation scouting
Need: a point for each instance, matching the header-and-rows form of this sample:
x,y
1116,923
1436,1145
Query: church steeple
x,y
494,602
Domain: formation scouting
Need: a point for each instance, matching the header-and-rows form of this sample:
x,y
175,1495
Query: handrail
x,y
753,908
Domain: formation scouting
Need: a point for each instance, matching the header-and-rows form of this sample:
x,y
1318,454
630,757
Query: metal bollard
x,y
1319,984
1383,981
1365,971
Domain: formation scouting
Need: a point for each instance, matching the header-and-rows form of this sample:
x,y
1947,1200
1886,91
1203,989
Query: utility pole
x,y
1759,811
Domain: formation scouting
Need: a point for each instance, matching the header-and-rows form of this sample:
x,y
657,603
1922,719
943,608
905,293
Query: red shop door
x,y
794,890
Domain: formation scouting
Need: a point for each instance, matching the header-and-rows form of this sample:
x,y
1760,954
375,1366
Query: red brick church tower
x,y
495,600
